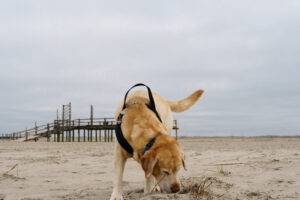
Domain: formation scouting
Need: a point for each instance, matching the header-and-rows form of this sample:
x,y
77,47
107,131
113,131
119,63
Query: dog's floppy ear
x,y
148,162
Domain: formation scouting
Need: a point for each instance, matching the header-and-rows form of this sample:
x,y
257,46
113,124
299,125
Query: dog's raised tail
x,y
184,104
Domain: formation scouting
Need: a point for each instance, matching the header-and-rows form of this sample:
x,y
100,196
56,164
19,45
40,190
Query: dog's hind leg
x,y
149,184
120,161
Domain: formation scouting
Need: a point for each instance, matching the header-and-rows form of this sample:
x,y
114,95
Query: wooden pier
x,y
67,130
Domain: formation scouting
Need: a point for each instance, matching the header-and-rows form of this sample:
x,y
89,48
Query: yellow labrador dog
x,y
144,124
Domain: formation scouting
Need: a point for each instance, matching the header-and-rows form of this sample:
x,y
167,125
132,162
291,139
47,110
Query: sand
x,y
217,168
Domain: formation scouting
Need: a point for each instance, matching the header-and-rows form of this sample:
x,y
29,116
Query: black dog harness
x,y
119,134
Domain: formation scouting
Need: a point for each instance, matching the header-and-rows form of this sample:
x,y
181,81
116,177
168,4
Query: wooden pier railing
x,y
78,130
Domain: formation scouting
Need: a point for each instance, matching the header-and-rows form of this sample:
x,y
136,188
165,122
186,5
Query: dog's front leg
x,y
149,184
120,161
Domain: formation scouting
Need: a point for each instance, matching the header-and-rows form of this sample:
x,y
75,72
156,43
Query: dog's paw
x,y
116,196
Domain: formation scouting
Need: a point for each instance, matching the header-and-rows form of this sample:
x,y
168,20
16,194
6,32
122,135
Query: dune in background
x,y
217,168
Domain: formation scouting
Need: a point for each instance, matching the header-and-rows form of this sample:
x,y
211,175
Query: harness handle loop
x,y
152,104
151,99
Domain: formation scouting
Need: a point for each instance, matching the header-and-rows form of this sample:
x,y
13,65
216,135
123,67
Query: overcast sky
x,y
244,54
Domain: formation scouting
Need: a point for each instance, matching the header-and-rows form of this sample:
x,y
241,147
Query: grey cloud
x,y
243,54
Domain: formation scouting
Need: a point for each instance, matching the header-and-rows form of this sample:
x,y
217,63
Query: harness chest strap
x,y
120,137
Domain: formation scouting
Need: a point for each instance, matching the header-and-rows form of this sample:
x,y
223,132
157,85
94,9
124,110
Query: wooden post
x,y
70,134
92,115
69,131
48,133
78,135
176,128
91,135
56,133
35,128
70,111
96,132
112,135
73,131
88,132
100,135
26,134
56,130
100,128
67,135
66,131
105,127
92,121
79,132
70,117
54,136
109,134
63,123
84,135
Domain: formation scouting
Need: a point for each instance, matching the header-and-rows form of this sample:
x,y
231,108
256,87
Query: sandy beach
x,y
217,168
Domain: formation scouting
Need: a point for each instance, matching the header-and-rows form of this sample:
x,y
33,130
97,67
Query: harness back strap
x,y
119,134
151,104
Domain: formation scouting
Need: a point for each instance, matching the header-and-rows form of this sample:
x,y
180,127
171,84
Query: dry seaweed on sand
x,y
198,189
6,174
204,188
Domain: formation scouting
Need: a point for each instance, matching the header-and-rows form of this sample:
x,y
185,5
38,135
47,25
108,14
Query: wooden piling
x,y
73,133
35,128
54,137
88,133
111,136
100,135
48,133
176,129
26,134
96,135
84,135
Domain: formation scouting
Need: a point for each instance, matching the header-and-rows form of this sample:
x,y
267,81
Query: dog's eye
x,y
166,173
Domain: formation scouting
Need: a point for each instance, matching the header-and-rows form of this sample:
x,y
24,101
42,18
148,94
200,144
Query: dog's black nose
x,y
175,187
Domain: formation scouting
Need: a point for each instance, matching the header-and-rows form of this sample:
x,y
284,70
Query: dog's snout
x,y
175,187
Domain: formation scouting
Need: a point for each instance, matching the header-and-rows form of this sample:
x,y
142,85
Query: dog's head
x,y
163,161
